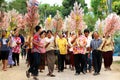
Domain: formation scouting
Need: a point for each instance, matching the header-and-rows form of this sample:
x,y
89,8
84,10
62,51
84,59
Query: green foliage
x,y
99,8
90,20
19,5
3,5
95,5
68,6
46,10
1,1
116,7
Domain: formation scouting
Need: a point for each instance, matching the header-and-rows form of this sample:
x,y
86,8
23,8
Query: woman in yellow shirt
x,y
62,45
107,49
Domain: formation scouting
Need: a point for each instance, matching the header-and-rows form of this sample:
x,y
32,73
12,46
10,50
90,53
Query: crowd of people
x,y
83,52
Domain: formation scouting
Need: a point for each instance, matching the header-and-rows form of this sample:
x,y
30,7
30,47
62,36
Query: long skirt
x,y
10,60
50,60
42,61
108,58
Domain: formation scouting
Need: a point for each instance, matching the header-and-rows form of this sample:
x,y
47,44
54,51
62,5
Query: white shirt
x,y
4,41
51,46
88,41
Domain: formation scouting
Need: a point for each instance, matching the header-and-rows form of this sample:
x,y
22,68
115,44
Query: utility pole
x,y
109,4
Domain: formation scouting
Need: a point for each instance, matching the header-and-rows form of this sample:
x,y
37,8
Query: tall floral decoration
x,y
4,21
112,24
49,23
1,18
57,22
99,26
21,22
67,24
32,15
13,19
77,22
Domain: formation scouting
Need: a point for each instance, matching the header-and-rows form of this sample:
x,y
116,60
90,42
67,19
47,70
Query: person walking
x,y
42,50
16,48
88,60
34,66
79,53
70,42
96,53
50,46
62,45
4,50
107,52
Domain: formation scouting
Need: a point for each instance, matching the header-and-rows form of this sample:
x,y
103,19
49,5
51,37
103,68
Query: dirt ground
x,y
18,73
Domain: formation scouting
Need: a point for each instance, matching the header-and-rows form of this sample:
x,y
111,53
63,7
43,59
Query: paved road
x,y
18,73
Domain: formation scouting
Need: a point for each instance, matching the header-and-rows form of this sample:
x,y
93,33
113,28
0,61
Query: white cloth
x,y
88,41
69,42
51,46
4,41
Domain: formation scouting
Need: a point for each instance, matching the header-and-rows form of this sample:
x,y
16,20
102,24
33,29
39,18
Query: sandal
x,y
48,74
52,75
27,74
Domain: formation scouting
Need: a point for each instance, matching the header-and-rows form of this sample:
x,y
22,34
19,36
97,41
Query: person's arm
x,y
8,44
112,43
0,44
73,40
66,43
47,45
35,43
91,45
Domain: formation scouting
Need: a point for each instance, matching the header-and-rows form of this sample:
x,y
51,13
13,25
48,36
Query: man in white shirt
x,y
88,59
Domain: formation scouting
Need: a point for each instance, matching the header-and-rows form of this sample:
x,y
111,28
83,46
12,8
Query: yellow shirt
x,y
107,44
62,45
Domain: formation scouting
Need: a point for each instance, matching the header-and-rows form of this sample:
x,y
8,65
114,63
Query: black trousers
x,y
34,66
97,60
15,57
61,60
79,60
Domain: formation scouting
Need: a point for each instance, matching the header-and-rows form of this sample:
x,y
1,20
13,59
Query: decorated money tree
x,y
67,24
77,22
32,16
57,22
99,26
4,21
49,23
112,24
1,18
13,19
21,22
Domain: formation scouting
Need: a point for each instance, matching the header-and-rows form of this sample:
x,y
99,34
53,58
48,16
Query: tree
x,y
1,1
116,7
90,21
19,5
3,5
68,6
46,10
99,8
